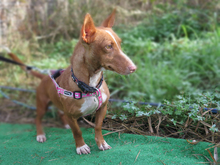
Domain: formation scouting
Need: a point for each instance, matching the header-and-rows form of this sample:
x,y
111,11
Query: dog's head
x,y
104,46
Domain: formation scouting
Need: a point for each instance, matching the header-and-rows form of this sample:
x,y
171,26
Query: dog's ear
x,y
88,29
109,22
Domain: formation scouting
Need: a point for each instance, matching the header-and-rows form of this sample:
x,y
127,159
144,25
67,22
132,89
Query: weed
x,y
185,114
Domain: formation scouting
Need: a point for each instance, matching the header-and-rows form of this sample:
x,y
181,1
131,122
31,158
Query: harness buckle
x,y
77,95
97,92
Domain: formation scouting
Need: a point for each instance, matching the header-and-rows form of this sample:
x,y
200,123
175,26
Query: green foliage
x,y
62,48
182,109
169,68
58,54
175,52
213,128
179,21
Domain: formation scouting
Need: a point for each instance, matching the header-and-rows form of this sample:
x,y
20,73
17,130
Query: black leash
x,y
14,62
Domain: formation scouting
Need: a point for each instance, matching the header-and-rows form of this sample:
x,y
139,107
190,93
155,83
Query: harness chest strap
x,y
77,94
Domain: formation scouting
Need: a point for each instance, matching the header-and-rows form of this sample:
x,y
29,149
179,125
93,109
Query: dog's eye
x,y
108,47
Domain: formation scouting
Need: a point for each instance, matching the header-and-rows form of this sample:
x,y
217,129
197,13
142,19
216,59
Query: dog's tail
x,y
34,73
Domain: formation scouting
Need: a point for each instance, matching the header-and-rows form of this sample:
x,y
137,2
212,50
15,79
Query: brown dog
x,y
80,89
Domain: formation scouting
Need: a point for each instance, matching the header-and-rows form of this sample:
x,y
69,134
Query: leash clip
x,y
43,71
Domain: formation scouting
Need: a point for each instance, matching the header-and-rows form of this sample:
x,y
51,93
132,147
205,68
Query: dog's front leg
x,y
100,115
81,146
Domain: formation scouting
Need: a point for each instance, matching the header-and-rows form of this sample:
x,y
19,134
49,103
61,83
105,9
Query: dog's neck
x,y
84,67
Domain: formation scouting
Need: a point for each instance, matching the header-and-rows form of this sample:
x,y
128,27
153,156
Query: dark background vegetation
x,y
174,43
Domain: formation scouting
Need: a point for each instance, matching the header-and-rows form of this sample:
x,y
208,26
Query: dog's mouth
x,y
121,71
110,68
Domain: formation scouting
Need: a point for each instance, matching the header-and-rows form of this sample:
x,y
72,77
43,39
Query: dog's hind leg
x,y
42,105
63,119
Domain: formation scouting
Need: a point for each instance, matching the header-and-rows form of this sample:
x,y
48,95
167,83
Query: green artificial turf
x,y
18,145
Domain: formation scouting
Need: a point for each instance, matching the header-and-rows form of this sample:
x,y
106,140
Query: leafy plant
x,y
186,114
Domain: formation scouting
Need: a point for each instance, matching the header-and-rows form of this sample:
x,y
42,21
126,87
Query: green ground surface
x,y
18,146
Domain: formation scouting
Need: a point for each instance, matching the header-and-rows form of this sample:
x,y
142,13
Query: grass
x,y
130,149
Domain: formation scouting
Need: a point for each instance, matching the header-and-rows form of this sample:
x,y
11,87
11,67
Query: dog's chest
x,y
91,103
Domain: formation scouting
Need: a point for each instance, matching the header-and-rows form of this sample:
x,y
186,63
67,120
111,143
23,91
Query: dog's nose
x,y
132,68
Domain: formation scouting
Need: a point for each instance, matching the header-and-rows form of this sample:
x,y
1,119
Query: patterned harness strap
x,y
77,94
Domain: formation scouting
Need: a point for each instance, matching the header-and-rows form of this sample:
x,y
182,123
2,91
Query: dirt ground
x,y
13,113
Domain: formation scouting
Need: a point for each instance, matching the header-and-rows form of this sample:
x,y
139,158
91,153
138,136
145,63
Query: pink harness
x,y
77,94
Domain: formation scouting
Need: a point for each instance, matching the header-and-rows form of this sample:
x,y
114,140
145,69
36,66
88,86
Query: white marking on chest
x,y
104,96
93,81
91,103
122,53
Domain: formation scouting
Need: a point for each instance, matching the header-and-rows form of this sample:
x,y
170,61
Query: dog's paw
x,y
104,146
41,138
67,126
83,149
